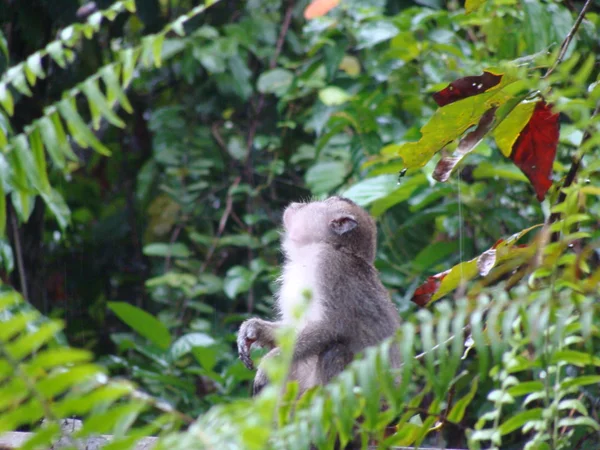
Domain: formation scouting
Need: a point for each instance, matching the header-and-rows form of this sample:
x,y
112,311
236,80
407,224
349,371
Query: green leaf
x,y
526,387
579,422
333,96
507,131
579,359
187,342
17,76
30,164
61,356
30,342
51,141
370,190
584,380
110,75
59,208
323,177
238,279
520,419
175,250
457,412
78,129
39,156
129,57
6,99
275,81
96,98
143,323
61,136
34,64
372,33
57,52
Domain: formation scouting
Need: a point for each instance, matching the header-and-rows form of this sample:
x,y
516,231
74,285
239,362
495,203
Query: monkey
x,y
329,249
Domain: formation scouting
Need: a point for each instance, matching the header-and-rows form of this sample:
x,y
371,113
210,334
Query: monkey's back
x,y
355,300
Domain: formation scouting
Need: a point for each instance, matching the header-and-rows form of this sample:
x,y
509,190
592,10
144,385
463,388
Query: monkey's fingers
x,y
245,357
244,345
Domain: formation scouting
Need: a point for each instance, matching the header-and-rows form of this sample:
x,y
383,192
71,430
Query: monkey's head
x,y
336,221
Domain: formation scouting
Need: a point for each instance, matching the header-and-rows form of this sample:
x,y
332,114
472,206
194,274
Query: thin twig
x,y
19,253
222,223
565,45
575,164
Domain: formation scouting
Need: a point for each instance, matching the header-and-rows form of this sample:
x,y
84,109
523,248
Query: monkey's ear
x,y
343,223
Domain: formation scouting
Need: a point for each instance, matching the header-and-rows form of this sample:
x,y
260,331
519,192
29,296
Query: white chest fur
x,y
299,297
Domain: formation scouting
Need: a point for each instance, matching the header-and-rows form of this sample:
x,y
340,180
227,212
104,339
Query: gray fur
x,y
357,310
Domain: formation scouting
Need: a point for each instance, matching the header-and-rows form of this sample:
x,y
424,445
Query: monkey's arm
x,y
317,337
254,331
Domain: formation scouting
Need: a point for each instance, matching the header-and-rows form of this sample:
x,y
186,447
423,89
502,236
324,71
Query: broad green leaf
x,y
520,419
78,128
584,380
372,33
43,437
333,95
238,279
110,75
275,81
402,193
526,387
95,97
579,422
143,323
369,190
323,177
187,342
579,359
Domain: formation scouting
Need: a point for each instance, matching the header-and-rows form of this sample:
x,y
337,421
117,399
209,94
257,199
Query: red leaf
x,y
535,148
466,87
422,295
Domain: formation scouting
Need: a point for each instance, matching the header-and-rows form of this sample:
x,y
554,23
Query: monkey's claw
x,y
246,337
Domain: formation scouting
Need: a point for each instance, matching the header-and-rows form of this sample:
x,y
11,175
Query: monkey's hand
x,y
253,331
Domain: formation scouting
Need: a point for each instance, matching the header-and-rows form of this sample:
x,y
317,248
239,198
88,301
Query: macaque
x,y
329,249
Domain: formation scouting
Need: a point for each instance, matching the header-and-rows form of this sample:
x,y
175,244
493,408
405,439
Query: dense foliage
x,y
149,146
